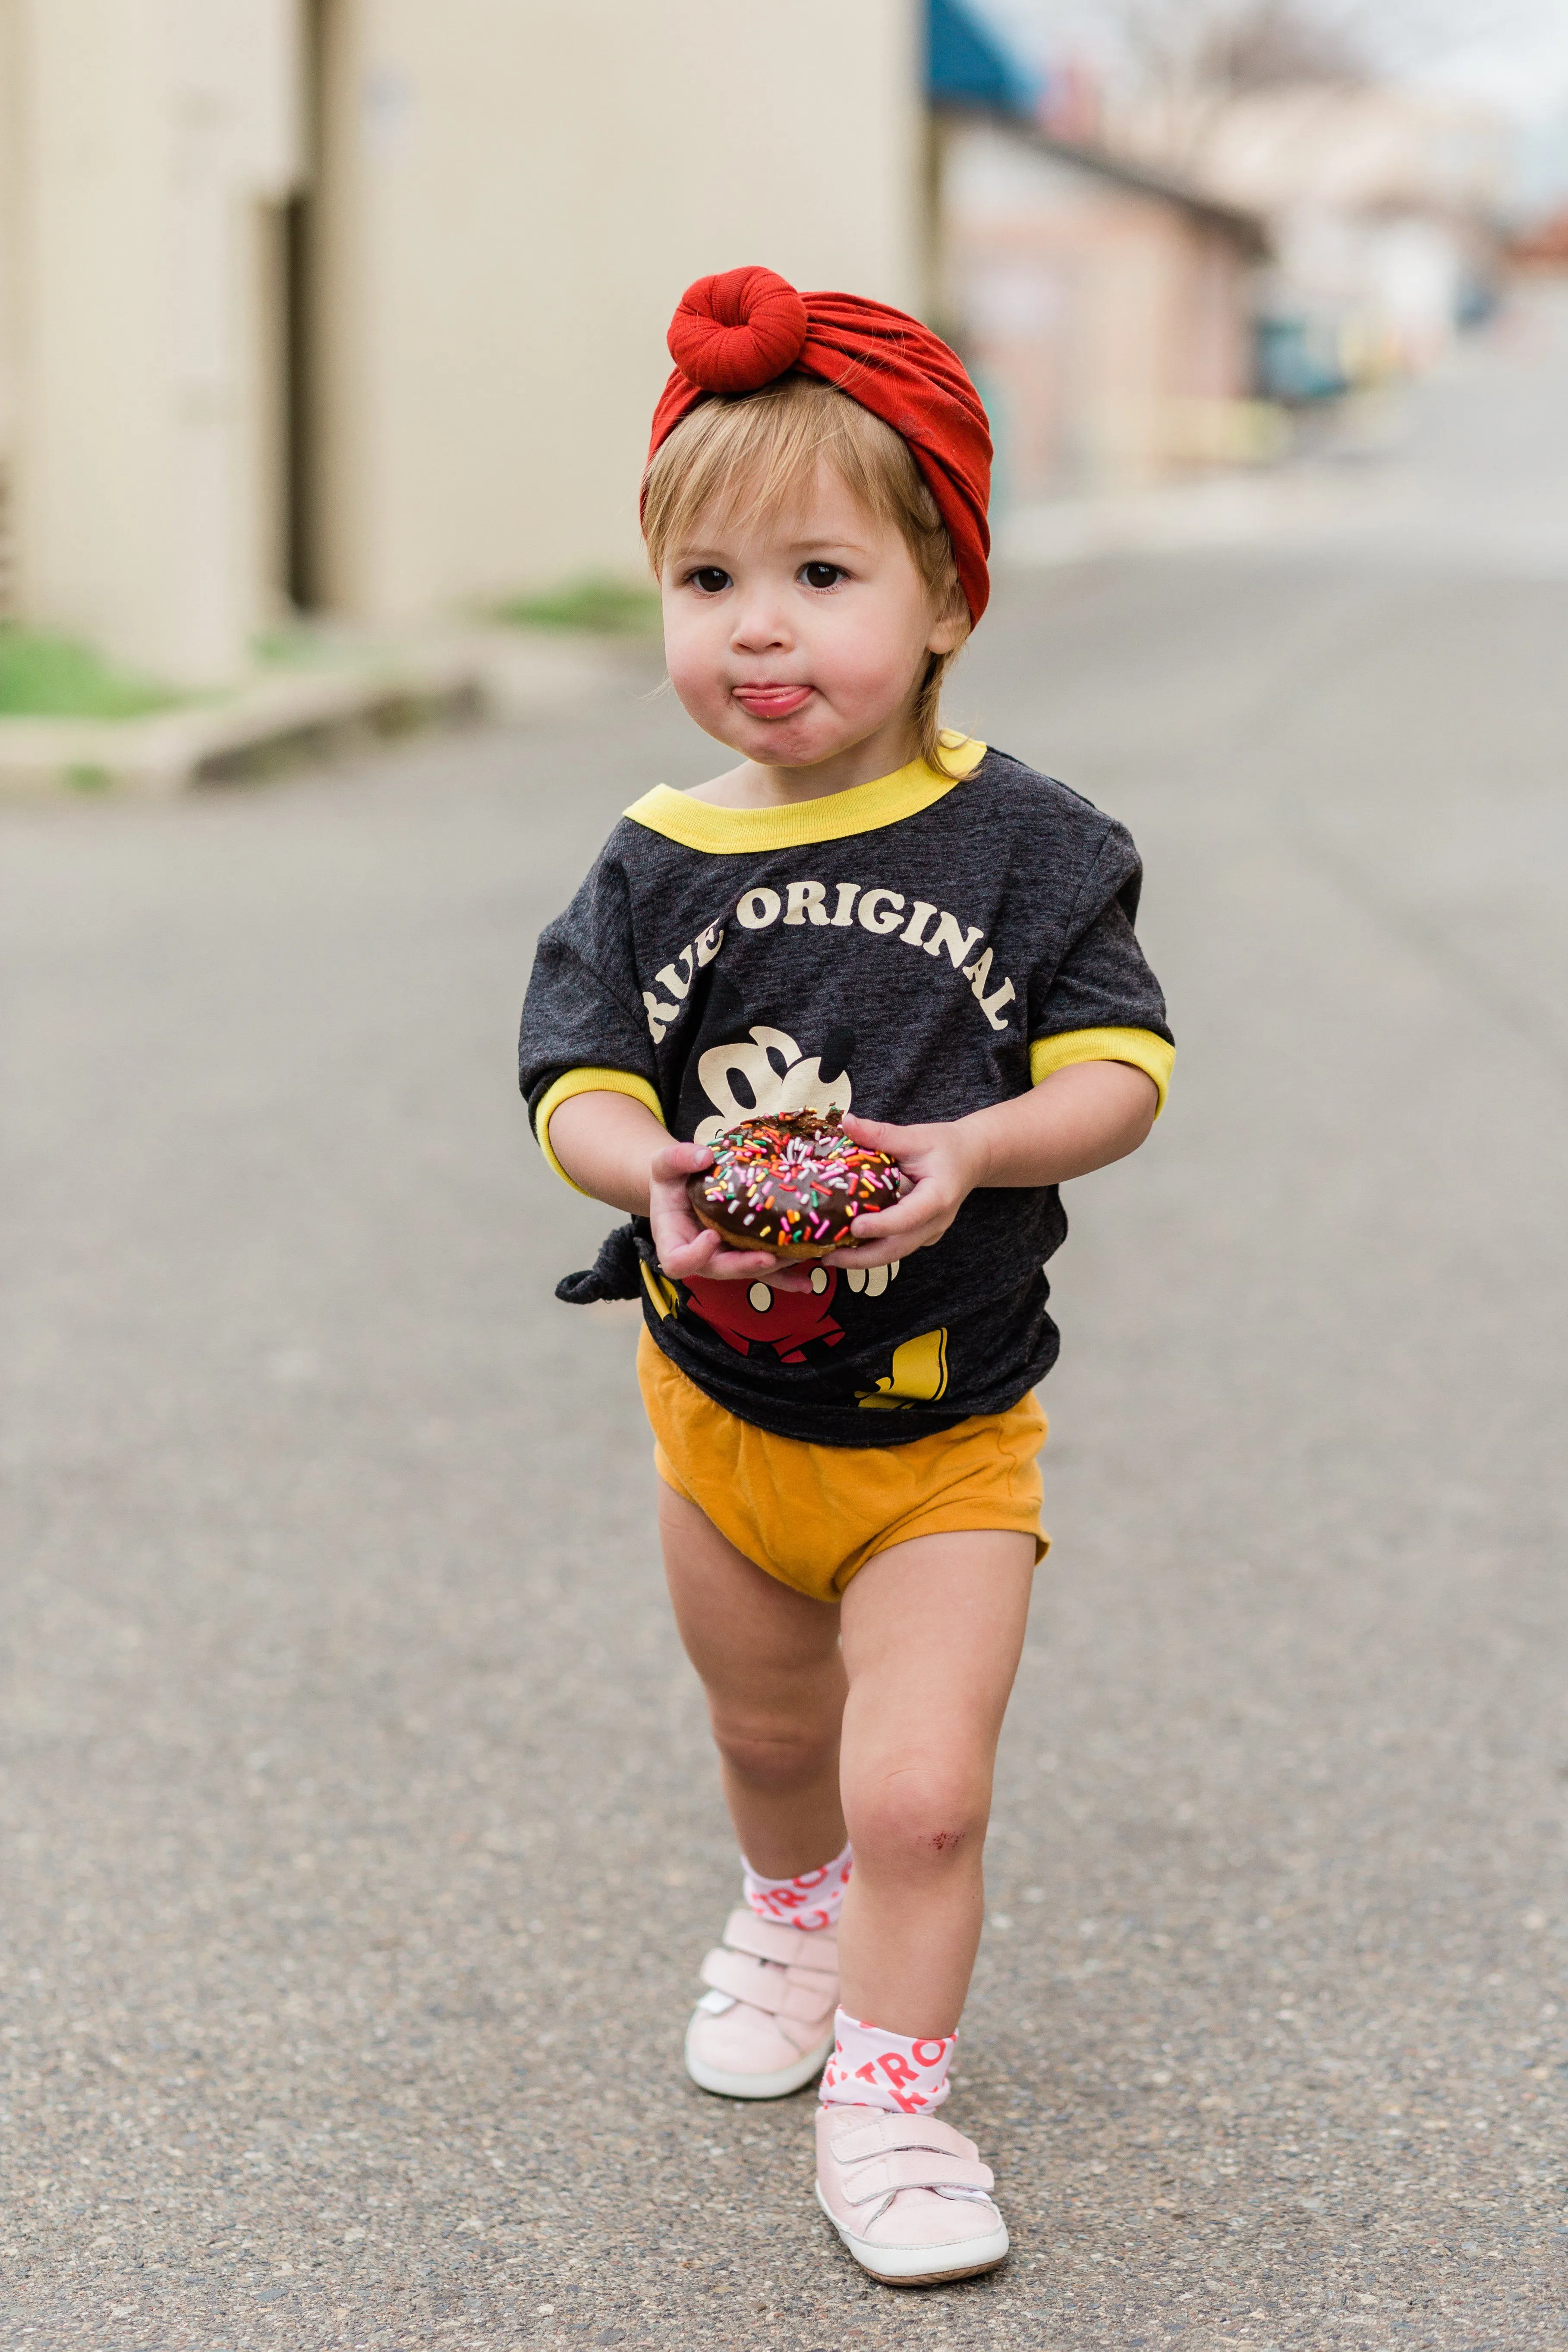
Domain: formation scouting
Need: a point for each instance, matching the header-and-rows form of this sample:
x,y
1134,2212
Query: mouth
x,y
771,701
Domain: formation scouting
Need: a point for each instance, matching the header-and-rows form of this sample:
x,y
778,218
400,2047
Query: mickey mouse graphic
x,y
770,1067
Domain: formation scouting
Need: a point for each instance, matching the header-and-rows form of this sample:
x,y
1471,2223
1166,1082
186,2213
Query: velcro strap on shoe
x,y
914,2168
774,1989
881,2135
790,1947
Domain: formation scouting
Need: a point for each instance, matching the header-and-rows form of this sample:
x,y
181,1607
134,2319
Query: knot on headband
x,y
737,331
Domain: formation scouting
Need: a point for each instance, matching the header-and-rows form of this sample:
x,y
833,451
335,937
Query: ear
x,y
951,626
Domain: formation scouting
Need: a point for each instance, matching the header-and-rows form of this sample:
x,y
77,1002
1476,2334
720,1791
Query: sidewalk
x,y
359,688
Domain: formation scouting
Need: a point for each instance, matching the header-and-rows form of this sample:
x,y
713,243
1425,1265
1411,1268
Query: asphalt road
x,y
360,1836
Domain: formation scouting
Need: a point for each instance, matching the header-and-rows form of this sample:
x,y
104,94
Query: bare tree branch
x,y
1186,61
1252,44
1276,42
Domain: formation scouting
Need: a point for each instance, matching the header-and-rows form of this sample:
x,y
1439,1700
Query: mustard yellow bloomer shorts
x,y
813,1515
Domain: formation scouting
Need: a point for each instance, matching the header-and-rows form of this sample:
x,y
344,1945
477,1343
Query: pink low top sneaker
x,y
909,2196
765,2026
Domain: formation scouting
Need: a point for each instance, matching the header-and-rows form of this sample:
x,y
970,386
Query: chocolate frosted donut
x,y
793,1183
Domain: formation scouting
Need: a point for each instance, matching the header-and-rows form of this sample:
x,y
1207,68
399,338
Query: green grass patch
x,y
44,676
301,649
610,608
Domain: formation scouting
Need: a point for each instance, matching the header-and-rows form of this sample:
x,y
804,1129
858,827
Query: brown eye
x,y
709,580
821,575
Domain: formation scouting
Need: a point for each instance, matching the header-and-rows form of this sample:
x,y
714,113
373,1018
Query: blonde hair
x,y
763,450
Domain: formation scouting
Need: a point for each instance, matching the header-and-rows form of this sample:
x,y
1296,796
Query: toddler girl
x,y
867,914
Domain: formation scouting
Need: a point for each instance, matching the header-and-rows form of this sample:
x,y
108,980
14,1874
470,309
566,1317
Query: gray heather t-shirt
x,y
897,950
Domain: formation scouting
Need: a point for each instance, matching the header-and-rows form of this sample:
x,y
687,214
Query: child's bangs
x,y
759,455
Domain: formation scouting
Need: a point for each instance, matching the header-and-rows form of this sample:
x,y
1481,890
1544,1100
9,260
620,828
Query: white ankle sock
x,y
872,2068
811,1900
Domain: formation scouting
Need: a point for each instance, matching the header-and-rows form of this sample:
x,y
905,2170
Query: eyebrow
x,y
697,552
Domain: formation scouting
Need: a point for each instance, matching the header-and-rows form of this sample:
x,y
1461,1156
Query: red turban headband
x,y
736,332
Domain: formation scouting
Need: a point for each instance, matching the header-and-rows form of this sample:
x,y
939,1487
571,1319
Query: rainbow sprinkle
x,y
796,1181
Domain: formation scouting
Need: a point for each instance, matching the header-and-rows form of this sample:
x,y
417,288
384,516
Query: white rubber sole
x,y
923,2265
758,2086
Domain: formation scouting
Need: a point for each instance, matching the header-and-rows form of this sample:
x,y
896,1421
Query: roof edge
x,y
1246,230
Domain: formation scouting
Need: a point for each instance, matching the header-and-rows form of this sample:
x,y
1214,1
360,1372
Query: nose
x,y
760,625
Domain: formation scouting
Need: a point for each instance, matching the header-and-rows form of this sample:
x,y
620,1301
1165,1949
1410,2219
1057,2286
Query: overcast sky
x,y
1512,52
1523,69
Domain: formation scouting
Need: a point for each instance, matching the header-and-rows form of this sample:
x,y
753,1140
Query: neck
x,y
879,754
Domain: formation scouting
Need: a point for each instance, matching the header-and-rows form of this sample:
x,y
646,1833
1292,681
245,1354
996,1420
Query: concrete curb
x,y
499,675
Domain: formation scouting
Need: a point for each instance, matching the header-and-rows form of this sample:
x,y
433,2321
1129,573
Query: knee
x,y
918,1817
770,1755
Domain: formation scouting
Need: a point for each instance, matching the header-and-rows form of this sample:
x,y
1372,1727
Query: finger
x,y
880,1133
749,1266
889,1248
673,1162
674,1226
716,1262
682,1250
724,1263
916,1209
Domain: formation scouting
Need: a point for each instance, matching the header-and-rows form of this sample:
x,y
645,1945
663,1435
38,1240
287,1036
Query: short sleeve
x,y
584,1025
1102,1001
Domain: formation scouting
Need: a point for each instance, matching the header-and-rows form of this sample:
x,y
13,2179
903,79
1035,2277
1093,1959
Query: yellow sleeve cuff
x,y
1140,1047
587,1082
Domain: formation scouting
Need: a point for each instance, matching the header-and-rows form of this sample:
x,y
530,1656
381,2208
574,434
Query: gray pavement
x,y
360,1840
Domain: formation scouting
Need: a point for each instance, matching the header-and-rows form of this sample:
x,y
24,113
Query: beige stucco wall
x,y
154,136
10,198
513,198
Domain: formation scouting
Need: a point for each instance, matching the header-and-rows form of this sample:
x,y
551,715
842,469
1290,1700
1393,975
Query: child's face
x,y
793,639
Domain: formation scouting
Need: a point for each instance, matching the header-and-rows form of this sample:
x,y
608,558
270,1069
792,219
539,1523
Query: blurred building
x,y
361,302
508,201
1384,205
1104,307
1542,245
359,305
1106,311
147,149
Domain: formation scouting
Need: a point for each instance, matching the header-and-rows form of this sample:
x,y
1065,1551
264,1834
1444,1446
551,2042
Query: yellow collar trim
x,y
864,808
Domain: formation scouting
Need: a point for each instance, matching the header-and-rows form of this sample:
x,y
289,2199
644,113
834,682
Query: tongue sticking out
x,y
772,701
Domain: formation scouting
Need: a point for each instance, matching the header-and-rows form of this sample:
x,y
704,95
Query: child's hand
x,y
1076,1120
940,1164
686,1247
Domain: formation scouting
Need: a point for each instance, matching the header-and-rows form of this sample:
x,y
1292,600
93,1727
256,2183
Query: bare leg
x,y
932,1633
770,1663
